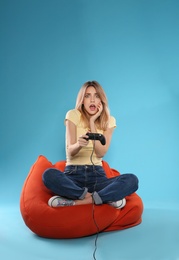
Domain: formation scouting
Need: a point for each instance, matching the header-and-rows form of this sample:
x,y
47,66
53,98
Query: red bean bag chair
x,y
72,221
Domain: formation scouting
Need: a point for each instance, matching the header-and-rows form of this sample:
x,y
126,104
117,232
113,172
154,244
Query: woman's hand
x,y
98,113
82,141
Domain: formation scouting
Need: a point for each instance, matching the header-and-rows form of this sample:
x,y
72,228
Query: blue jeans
x,y
77,180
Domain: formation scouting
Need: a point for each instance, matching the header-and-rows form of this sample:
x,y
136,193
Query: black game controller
x,y
96,136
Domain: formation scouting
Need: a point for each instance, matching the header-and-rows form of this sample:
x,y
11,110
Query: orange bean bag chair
x,y
72,221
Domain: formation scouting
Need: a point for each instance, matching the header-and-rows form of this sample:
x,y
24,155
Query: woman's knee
x,y
47,175
131,181
134,181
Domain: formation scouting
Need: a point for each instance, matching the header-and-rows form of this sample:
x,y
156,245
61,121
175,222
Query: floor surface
x,y
157,238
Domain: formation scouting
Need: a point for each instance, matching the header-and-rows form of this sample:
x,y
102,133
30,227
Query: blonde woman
x,y
84,180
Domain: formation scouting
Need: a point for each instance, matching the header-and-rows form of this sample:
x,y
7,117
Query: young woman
x,y
84,180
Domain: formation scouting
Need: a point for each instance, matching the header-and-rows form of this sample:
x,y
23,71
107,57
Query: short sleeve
x,y
112,122
73,115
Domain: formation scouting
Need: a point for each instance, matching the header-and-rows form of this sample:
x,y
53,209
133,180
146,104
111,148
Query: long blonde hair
x,y
102,121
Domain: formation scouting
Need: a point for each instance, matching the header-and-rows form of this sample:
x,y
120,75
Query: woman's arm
x,y
73,145
100,150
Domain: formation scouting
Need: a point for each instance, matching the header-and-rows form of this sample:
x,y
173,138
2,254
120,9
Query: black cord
x,y
91,159
96,238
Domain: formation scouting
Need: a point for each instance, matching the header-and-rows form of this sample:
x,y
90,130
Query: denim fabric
x,y
77,180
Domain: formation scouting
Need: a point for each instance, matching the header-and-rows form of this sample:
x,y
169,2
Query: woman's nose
x,y
92,99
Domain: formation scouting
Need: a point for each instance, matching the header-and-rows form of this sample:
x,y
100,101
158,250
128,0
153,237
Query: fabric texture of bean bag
x,y
72,221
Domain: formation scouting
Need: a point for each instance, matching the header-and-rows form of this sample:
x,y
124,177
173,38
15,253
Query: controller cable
x,y
93,209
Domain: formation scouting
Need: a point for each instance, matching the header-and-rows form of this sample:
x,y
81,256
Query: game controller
x,y
96,136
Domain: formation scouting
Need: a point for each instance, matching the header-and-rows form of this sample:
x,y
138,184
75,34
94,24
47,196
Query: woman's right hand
x,y
82,140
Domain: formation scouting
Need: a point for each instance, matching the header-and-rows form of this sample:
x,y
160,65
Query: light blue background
x,y
48,49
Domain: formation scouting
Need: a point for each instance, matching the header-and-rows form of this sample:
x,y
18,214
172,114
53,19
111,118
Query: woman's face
x,y
91,100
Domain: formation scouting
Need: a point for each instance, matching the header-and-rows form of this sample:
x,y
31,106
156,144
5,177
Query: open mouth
x,y
92,107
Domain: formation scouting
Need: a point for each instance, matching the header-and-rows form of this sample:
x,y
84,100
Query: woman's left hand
x,y
98,113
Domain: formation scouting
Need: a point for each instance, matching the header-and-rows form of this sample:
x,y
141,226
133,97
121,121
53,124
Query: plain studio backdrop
x,y
48,49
